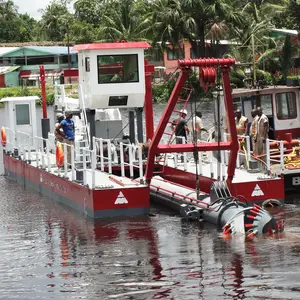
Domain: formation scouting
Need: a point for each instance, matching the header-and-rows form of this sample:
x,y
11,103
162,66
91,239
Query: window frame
x,y
258,103
295,102
29,117
115,82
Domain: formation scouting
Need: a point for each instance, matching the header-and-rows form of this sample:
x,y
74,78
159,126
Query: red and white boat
x,y
255,186
36,162
105,175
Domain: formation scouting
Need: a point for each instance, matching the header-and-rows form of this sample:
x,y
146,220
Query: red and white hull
x,y
96,203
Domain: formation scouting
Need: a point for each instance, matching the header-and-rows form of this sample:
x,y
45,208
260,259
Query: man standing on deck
x,y
241,123
262,132
69,133
181,130
196,126
253,129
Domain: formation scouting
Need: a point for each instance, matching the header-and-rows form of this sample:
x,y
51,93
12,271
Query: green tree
x,y
125,20
53,21
88,12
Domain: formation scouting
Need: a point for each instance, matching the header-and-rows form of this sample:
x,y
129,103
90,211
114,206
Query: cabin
x,y
20,116
112,74
281,104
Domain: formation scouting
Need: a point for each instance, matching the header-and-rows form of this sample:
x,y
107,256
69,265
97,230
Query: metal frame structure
x,y
185,65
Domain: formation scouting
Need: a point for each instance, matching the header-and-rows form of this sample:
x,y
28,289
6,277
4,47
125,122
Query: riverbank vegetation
x,y
248,25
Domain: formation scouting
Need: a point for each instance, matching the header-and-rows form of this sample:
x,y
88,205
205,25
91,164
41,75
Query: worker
x,y
196,126
68,127
253,129
181,129
261,133
59,134
241,123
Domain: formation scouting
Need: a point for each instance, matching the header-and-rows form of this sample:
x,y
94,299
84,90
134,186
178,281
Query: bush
x,y
162,92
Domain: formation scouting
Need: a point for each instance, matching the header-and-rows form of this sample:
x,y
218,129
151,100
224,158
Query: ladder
x,y
85,134
183,102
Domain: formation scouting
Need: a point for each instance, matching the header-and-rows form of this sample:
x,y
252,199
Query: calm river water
x,y
50,252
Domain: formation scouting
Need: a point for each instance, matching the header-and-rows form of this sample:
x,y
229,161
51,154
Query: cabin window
x,y
266,104
22,114
118,68
174,54
286,106
87,64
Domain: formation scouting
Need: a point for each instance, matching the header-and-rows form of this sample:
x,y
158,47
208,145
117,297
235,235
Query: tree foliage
x,y
164,23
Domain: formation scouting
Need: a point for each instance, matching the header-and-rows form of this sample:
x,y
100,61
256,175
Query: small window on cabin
x,y
22,114
174,54
87,64
286,106
118,68
266,104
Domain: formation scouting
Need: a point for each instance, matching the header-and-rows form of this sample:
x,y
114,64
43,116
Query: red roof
x,y
117,45
24,73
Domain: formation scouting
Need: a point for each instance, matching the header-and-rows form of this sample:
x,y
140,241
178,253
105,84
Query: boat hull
x,y
269,188
98,203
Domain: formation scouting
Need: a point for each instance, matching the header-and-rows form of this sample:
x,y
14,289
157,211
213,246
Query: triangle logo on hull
x,y
257,191
121,199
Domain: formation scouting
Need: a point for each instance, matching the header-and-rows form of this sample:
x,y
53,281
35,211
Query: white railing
x,y
92,169
269,159
131,156
10,139
135,159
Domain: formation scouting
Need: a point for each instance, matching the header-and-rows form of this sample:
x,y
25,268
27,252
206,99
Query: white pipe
x,y
101,155
200,155
268,156
65,160
73,162
122,159
248,147
238,160
84,166
109,156
184,161
93,168
36,151
140,154
48,156
131,161
42,153
281,157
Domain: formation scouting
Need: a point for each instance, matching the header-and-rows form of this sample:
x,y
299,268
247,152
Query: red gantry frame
x,y
207,68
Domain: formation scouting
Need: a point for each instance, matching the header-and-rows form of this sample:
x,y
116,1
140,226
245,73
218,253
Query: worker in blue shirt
x,y
68,128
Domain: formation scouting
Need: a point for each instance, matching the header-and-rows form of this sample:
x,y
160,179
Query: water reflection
x,y
49,252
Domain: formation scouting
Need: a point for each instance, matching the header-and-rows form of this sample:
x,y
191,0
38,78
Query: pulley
x,y
207,77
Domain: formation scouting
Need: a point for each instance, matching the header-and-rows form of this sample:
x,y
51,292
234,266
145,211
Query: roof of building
x,y
4,50
52,50
8,69
104,46
24,98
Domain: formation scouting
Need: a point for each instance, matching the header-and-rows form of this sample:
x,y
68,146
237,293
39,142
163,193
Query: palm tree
x,y
125,20
195,20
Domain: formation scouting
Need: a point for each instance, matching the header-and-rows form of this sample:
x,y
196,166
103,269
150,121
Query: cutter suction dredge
x,y
219,208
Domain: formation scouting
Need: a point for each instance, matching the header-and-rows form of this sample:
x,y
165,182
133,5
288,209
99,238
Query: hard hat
x,y
59,115
183,112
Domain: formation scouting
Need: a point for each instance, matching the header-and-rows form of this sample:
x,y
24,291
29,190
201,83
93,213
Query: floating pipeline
x,y
219,208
